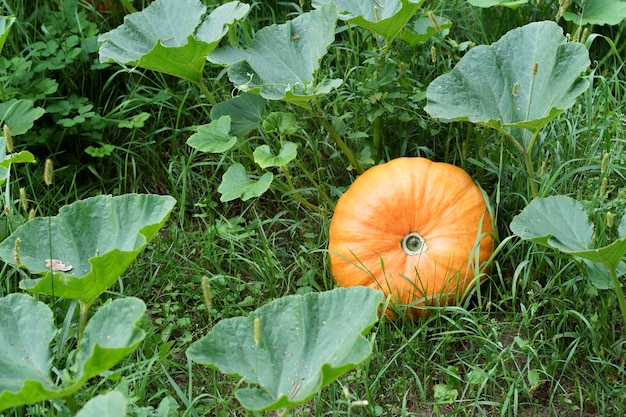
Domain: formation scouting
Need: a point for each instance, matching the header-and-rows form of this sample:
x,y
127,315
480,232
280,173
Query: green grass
x,y
536,339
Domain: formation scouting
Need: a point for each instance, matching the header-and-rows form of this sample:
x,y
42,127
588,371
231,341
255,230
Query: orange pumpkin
x,y
416,229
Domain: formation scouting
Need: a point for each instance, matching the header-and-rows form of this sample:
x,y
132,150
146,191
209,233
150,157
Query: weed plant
x,y
536,339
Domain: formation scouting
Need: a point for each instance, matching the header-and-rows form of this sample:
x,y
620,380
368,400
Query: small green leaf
x,y
598,12
280,122
245,112
298,351
423,29
522,81
237,184
445,394
112,404
213,137
98,237
101,151
12,158
477,377
533,377
19,115
134,123
215,25
264,157
26,330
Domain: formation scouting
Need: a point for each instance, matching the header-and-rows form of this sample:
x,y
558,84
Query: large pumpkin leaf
x,y
170,36
561,222
292,347
110,334
96,238
386,18
490,3
558,222
26,330
522,81
282,61
236,183
598,12
599,275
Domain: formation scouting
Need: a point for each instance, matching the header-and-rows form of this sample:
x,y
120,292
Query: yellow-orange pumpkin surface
x,y
416,229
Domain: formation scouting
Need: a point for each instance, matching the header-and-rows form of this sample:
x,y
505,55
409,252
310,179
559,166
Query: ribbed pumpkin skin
x,y
439,201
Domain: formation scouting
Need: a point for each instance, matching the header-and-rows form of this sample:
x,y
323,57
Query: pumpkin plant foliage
x,y
561,223
490,3
388,18
94,239
111,404
26,361
597,12
237,183
213,137
246,112
516,85
171,36
282,61
522,81
291,348
20,115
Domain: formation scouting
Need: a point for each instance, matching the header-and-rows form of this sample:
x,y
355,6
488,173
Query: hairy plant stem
x,y
71,403
620,294
527,155
342,145
207,93
82,320
530,169
287,188
319,189
376,139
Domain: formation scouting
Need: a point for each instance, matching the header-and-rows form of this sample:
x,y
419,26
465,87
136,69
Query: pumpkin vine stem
x,y
413,244
526,153
339,142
